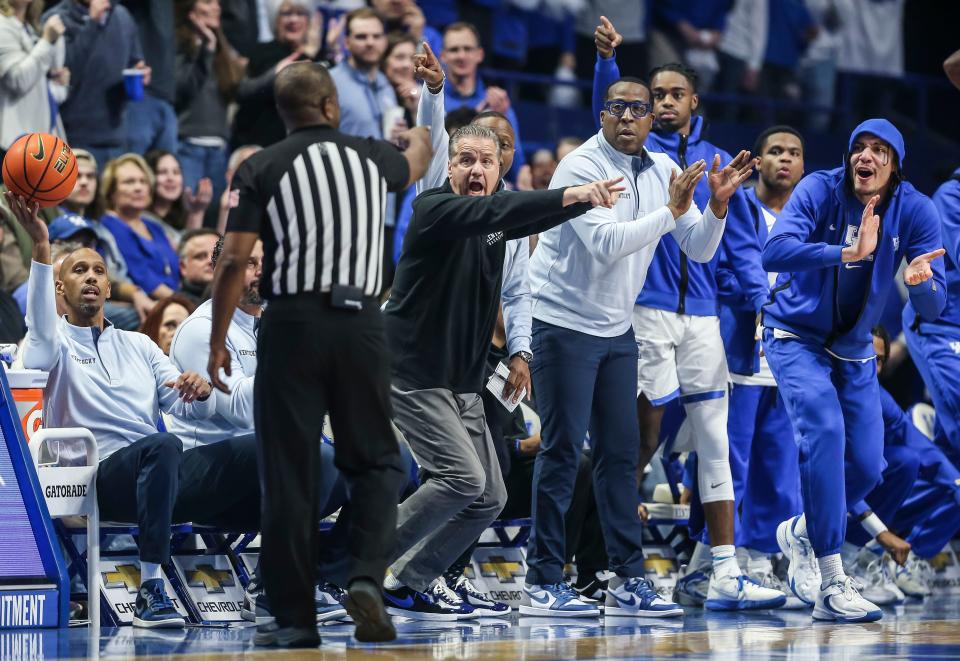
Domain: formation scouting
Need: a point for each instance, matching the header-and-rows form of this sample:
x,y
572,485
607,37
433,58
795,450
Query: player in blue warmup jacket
x,y
677,329
837,246
935,344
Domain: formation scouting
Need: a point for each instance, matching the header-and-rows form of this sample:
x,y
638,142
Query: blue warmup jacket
x,y
947,201
805,247
675,283
738,315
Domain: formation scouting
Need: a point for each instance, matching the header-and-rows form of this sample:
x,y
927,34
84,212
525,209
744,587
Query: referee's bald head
x,y
306,95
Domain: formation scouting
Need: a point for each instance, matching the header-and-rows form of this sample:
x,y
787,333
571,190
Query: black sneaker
x,y
591,588
364,603
407,602
270,634
154,609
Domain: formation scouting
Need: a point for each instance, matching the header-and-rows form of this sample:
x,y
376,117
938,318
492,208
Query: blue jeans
x,y
197,162
583,381
834,407
151,124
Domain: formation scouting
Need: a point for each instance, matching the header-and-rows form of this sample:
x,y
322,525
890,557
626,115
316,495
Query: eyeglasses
x,y
638,109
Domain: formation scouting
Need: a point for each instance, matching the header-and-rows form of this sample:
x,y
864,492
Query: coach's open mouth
x,y
475,187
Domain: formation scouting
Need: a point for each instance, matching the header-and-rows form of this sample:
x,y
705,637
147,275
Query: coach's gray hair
x,y
471,131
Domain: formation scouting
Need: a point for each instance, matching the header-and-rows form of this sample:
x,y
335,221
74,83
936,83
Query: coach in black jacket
x,y
440,318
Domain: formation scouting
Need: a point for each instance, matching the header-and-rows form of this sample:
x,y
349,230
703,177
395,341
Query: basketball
x,y
40,167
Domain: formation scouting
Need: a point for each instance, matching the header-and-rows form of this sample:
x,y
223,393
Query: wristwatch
x,y
525,356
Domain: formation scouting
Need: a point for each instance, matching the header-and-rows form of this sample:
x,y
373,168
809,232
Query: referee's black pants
x,y
313,358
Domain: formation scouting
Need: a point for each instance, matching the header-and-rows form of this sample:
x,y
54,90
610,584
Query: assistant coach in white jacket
x,y
115,384
585,276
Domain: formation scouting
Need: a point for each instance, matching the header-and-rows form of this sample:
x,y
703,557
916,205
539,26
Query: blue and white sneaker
x,y
440,591
692,585
482,606
407,602
732,593
329,600
638,598
803,572
555,600
154,609
841,602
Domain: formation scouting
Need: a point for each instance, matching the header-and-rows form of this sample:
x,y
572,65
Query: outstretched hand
x,y
597,193
919,269
427,68
866,241
681,188
725,181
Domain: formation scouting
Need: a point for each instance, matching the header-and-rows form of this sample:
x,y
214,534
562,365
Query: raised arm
x,y
431,113
606,70
41,347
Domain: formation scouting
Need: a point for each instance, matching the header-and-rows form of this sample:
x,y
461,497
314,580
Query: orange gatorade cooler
x,y
27,388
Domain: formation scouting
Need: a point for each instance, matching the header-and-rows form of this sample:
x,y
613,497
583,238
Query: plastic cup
x,y
133,83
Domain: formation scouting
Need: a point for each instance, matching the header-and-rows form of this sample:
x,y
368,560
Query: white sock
x,y
700,557
148,571
391,582
831,568
724,560
800,530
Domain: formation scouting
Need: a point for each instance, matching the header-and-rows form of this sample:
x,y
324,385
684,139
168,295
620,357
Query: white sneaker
x,y
841,602
803,572
638,598
692,585
769,579
555,600
913,578
731,593
870,571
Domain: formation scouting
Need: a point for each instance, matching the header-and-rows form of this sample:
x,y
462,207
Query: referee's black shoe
x,y
364,603
270,634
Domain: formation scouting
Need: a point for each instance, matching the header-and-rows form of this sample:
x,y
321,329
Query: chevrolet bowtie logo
x,y
505,570
210,577
656,562
941,561
127,576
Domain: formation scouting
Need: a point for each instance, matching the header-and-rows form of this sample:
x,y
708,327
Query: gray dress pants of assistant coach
x,y
464,490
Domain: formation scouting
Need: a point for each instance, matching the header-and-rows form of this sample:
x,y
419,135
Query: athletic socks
x,y
149,571
724,560
831,568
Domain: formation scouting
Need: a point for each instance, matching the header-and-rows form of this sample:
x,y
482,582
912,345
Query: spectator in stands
x,y
14,247
542,166
196,263
115,384
818,68
790,29
152,121
397,66
239,155
871,43
689,31
631,21
246,24
740,52
165,318
257,121
83,201
566,145
29,58
174,205
208,72
462,55
151,260
102,41
406,17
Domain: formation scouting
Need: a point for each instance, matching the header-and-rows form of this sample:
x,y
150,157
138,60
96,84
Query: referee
x,y
316,199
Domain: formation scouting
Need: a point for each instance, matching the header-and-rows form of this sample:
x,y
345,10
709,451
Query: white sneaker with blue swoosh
x,y
555,600
841,602
637,598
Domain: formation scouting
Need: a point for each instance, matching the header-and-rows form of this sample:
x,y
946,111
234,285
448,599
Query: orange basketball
x,y
40,167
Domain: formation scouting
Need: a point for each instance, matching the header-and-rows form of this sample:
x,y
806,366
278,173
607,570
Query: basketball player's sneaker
x,y
692,585
555,600
442,593
841,601
877,586
482,606
731,593
638,598
407,602
327,597
912,578
329,600
154,609
591,588
769,579
803,572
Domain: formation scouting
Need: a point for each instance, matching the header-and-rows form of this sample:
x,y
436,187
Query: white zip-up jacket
x,y
515,290
586,274
111,382
190,350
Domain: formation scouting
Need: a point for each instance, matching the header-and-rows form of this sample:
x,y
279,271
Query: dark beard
x,y
88,309
251,296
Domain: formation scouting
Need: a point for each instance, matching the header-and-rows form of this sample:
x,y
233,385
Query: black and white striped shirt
x,y
317,199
